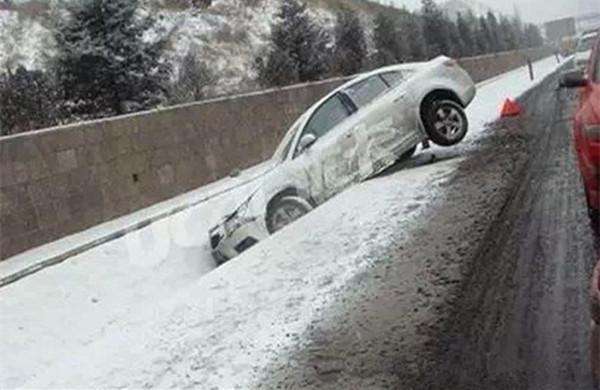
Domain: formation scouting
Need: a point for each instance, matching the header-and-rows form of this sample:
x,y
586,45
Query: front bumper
x,y
225,245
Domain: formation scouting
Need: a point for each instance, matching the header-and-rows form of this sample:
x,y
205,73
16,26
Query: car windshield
x,y
286,143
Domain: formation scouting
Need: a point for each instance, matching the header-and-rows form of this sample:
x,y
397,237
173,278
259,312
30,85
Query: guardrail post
x,y
530,66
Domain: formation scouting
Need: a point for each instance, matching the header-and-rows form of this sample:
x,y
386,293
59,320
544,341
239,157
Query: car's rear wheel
x,y
285,211
445,122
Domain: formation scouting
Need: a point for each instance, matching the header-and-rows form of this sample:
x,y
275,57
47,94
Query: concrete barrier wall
x,y
62,180
484,67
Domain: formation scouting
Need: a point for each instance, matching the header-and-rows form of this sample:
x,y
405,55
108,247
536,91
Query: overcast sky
x,y
531,10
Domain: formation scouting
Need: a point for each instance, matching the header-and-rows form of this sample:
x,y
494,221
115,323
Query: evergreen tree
x,y
533,36
350,43
298,50
104,63
412,30
456,46
482,37
434,28
496,45
518,29
193,80
466,35
389,41
509,35
28,101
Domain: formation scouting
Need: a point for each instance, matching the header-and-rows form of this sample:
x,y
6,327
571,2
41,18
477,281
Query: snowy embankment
x,y
135,312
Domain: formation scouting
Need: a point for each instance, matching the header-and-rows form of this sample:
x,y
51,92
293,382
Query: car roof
x,y
385,69
591,35
416,66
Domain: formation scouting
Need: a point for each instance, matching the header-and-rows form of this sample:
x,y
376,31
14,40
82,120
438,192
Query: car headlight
x,y
239,217
233,223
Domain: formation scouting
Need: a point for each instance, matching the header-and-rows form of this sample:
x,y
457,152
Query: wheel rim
x,y
449,122
286,214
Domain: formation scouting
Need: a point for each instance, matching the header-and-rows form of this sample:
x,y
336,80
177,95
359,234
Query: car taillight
x,y
592,132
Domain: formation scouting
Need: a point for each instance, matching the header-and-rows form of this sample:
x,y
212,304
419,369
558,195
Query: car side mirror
x,y
306,141
573,79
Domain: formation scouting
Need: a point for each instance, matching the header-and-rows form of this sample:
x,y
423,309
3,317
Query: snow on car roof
x,y
591,35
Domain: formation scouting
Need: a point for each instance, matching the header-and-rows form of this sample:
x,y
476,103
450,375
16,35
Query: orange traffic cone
x,y
510,108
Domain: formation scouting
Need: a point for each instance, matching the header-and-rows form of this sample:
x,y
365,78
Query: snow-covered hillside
x,y
227,36
23,40
453,7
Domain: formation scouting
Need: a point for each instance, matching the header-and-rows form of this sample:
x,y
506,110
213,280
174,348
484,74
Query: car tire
x,y
284,211
445,122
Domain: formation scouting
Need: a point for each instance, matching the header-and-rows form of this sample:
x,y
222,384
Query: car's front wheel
x,y
285,211
445,122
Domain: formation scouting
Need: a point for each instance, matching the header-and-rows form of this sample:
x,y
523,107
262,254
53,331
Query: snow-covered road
x,y
136,311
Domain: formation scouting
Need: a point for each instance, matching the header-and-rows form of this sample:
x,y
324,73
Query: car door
x,y
381,137
587,129
327,163
589,115
594,97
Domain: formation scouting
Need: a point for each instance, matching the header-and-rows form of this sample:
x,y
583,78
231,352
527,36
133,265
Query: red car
x,y
595,334
587,143
587,129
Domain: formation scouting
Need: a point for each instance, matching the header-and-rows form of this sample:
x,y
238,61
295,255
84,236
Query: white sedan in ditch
x,y
584,50
353,133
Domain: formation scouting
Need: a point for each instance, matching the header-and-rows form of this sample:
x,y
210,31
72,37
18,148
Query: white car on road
x,y
584,50
353,133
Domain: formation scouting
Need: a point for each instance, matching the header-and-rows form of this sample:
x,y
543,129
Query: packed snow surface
x,y
138,312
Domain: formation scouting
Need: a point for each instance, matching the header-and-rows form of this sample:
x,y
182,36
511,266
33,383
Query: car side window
x,y
392,78
332,112
364,92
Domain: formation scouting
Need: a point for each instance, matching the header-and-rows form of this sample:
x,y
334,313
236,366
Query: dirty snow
x,y
136,312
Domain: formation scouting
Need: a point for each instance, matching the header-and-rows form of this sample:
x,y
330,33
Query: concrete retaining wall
x,y
62,180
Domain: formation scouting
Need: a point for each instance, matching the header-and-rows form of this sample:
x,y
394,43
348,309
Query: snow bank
x,y
54,313
136,312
